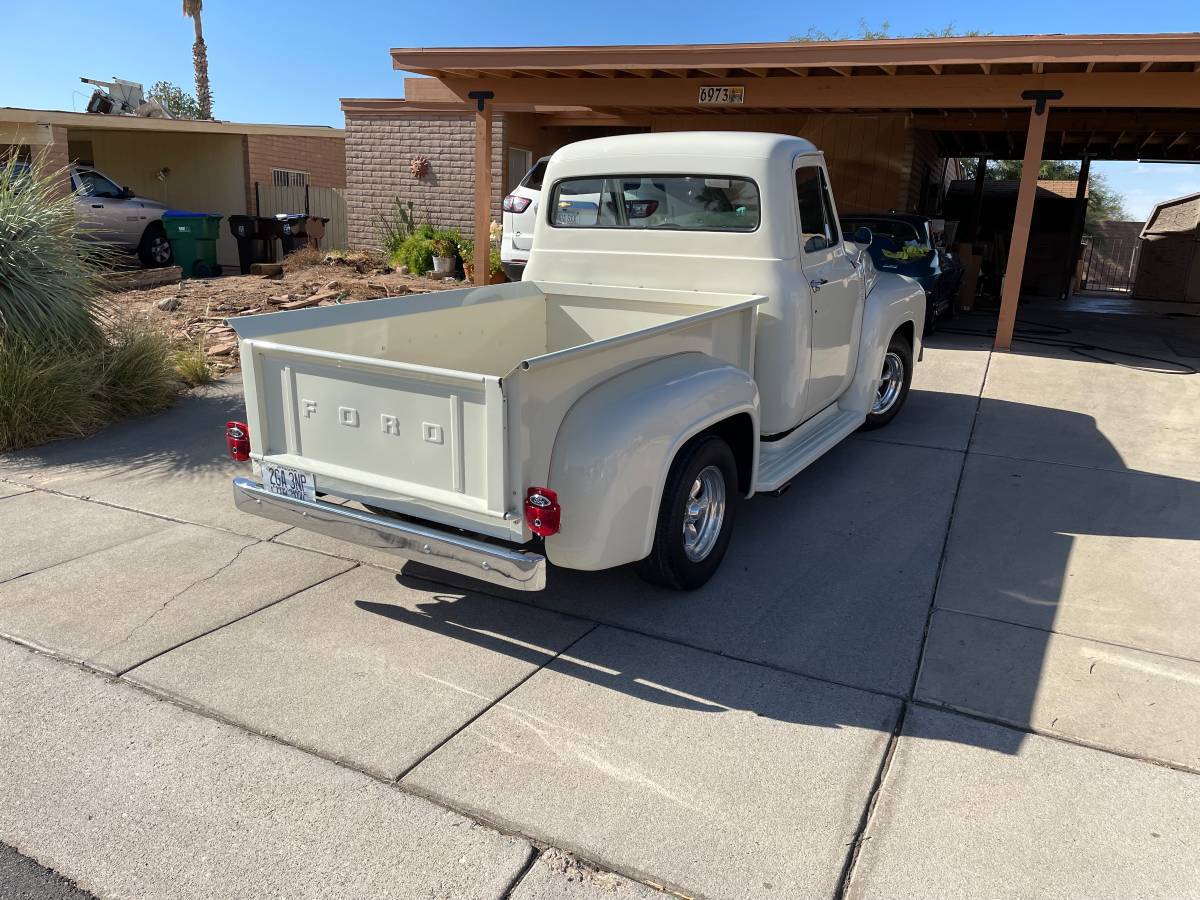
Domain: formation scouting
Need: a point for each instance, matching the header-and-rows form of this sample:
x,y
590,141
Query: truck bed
x,y
426,404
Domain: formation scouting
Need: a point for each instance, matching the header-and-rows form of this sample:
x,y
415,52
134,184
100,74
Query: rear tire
x,y
155,250
695,518
895,379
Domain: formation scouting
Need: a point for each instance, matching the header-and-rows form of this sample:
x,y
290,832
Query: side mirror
x,y
126,193
862,235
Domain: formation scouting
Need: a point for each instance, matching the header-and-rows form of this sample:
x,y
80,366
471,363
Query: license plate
x,y
287,482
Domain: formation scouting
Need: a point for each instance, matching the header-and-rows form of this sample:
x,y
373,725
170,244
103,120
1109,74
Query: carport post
x,y
483,184
1032,164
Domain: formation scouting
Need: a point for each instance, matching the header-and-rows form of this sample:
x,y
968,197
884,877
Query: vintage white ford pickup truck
x,y
692,329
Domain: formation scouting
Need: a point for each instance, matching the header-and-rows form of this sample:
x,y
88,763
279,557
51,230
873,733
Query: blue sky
x,y
292,61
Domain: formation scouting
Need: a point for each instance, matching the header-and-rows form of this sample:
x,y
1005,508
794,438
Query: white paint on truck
x,y
705,308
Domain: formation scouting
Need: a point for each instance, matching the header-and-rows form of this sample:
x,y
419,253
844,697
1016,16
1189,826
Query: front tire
x,y
695,518
894,382
155,250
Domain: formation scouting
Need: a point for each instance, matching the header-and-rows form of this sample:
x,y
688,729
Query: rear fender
x,y
616,445
894,300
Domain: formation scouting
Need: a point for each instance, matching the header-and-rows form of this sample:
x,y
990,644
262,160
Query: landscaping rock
x,y
167,304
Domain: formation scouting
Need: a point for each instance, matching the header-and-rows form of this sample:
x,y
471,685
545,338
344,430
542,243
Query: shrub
x,y
419,248
47,288
44,395
68,365
135,372
396,226
193,366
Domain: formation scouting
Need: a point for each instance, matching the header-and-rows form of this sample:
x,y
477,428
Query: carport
x,y
1078,97
209,166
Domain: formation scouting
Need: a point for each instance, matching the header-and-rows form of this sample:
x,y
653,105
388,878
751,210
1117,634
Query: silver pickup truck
x,y
692,329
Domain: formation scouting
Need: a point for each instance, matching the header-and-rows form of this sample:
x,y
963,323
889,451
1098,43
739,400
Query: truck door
x,y
106,214
835,292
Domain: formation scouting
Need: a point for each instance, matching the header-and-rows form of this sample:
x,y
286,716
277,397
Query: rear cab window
x,y
657,202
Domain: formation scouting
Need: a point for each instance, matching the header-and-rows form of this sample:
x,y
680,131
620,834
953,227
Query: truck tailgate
x,y
419,433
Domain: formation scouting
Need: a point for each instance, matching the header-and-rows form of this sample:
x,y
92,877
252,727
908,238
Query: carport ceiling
x,y
1103,134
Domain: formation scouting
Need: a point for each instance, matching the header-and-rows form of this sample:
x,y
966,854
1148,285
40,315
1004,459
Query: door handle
x,y
816,283
97,206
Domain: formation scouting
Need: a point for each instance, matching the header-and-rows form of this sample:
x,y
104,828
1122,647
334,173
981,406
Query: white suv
x,y
520,215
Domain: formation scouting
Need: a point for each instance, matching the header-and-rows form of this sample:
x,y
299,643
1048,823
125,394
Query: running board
x,y
781,461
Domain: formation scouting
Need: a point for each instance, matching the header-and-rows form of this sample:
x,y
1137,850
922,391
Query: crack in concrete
x,y
173,598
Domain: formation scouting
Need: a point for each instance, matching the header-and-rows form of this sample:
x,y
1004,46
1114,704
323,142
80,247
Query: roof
x,y
909,218
997,187
715,145
989,55
1179,215
99,122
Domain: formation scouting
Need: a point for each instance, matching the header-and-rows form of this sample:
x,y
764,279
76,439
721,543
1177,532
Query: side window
x,y
816,232
830,218
96,185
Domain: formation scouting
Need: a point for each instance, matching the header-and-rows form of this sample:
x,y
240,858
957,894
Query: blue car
x,y
904,244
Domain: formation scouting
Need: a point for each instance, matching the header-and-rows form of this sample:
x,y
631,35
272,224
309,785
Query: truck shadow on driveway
x,y
834,580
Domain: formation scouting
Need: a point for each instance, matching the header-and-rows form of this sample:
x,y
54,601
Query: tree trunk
x,y
200,62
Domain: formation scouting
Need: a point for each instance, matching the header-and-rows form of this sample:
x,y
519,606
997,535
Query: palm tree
x,y
192,8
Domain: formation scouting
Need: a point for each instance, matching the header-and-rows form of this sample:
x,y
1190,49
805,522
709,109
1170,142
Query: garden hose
x,y
1055,336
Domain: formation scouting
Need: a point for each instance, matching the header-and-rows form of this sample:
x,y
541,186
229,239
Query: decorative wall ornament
x,y
419,167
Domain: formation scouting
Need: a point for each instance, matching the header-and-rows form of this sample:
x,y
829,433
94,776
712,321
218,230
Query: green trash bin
x,y
193,238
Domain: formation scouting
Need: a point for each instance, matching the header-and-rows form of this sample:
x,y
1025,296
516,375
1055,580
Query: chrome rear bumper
x,y
476,559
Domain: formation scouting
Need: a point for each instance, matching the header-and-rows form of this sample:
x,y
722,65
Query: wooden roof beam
x,y
1104,90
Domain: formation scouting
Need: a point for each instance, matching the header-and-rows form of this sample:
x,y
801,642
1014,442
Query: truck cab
x,y
692,328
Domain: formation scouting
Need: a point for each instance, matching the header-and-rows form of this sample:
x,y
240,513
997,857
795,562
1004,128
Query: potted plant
x,y
466,252
495,269
444,250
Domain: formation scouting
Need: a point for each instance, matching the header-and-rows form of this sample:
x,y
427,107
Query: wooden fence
x,y
326,202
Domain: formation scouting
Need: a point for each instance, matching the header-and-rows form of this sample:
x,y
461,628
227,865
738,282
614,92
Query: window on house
x,y
288,178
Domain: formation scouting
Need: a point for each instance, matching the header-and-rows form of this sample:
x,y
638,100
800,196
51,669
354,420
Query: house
x,y
890,115
204,166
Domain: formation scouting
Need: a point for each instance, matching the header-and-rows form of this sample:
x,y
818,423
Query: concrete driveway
x,y
960,657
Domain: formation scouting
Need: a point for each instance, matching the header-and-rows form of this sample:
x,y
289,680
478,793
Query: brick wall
x,y
378,153
323,158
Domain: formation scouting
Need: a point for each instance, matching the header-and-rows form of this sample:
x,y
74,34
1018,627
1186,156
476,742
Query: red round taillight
x,y
237,440
542,512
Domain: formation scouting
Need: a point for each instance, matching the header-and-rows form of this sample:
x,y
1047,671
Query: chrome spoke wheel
x,y
704,513
891,383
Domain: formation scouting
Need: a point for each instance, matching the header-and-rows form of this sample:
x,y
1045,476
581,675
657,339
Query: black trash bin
x,y
253,236
290,229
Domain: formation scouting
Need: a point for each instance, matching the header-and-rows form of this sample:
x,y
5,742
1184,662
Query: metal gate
x,y
326,202
1110,264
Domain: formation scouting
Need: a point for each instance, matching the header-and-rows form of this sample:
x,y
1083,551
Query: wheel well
x,y
738,432
155,227
907,331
